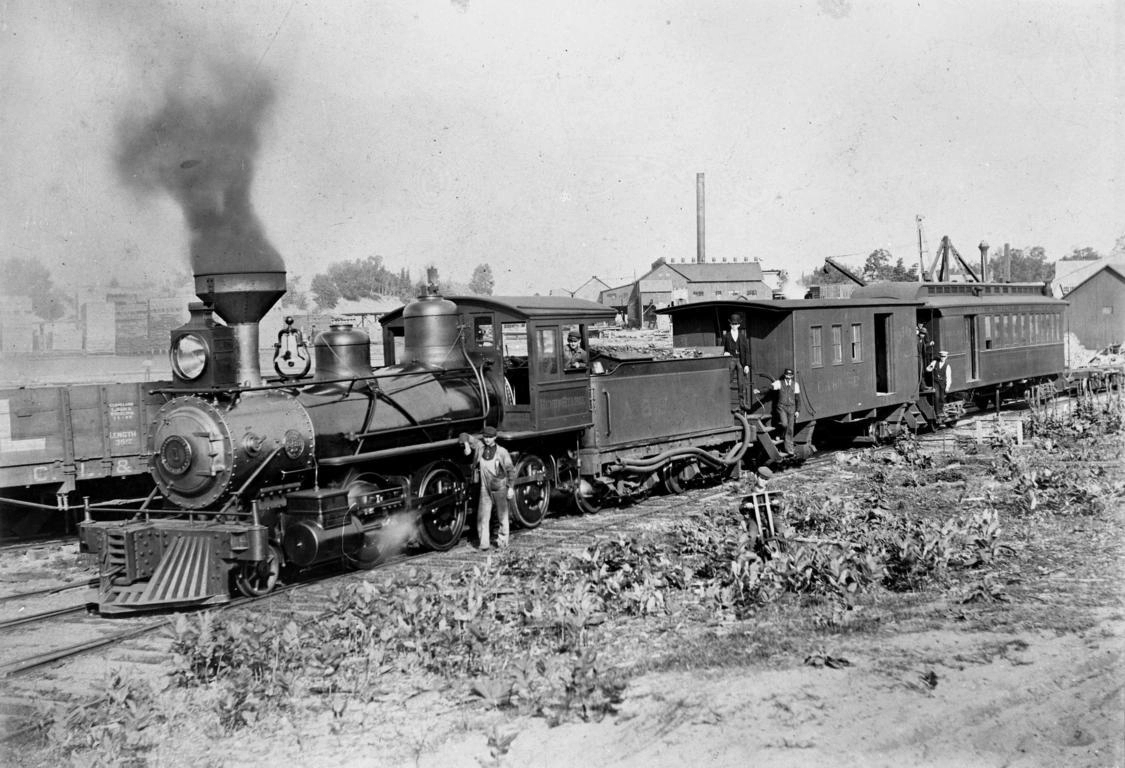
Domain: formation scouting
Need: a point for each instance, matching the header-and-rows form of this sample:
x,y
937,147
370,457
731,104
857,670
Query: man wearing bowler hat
x,y
736,344
497,473
943,379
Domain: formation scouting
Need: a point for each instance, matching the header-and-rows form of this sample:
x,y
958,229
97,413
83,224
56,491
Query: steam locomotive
x,y
353,463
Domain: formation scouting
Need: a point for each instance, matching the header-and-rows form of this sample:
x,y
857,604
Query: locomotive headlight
x,y
189,356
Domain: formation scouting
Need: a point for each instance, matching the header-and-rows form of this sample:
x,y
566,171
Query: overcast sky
x,y
556,141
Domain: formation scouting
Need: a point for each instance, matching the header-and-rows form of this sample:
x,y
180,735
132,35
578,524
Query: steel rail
x,y
48,591
44,616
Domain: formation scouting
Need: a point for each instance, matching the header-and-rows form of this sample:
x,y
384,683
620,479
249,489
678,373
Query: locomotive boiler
x,y
339,466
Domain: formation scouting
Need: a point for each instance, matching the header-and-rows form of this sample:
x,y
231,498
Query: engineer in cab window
x,y
576,357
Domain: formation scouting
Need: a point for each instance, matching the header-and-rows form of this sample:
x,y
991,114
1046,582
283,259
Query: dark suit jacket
x,y
739,349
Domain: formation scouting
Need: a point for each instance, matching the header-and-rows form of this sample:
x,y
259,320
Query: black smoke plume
x,y
199,146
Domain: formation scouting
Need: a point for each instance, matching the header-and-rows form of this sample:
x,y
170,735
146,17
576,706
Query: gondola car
x,y
61,439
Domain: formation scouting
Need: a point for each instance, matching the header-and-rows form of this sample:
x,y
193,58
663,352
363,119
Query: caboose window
x,y
857,342
837,344
816,354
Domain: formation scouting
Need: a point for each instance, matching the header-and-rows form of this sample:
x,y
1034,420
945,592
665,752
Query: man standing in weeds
x,y
736,344
786,407
494,465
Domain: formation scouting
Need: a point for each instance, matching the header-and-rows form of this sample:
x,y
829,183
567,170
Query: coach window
x,y
547,350
816,354
988,331
857,342
837,344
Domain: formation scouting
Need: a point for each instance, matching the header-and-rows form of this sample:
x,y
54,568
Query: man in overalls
x,y
497,473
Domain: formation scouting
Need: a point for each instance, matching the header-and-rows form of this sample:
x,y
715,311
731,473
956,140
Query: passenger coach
x,y
1004,340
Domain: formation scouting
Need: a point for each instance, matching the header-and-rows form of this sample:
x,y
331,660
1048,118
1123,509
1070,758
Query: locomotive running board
x,y
182,578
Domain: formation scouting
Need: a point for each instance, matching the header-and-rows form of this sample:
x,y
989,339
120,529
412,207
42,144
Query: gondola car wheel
x,y
441,522
534,496
257,579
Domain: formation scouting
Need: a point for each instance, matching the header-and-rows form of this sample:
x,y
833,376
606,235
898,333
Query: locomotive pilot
x,y
736,344
494,465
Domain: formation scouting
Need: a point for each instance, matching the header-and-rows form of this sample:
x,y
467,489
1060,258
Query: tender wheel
x,y
676,476
257,579
588,498
532,496
443,505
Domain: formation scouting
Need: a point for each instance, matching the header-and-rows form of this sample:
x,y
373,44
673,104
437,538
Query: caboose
x,y
855,359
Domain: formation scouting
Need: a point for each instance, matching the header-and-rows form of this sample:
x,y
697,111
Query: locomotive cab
x,y
520,345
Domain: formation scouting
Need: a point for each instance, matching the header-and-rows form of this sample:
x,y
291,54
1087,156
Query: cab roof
x,y
527,307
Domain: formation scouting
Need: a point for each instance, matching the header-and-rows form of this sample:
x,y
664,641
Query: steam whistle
x,y
291,354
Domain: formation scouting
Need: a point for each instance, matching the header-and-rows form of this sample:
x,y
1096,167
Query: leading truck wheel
x,y
443,504
257,579
533,492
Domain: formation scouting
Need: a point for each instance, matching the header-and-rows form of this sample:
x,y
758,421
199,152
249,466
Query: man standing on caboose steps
x,y
736,344
497,473
943,378
786,408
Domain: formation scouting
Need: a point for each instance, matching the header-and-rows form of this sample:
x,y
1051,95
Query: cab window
x,y
483,332
517,383
576,358
547,350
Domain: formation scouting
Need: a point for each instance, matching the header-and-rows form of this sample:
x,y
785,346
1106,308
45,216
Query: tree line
x,y
369,278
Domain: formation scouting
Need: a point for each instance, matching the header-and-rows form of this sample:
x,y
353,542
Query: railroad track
x,y
45,591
